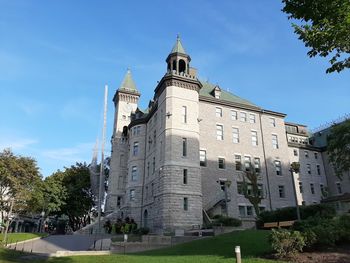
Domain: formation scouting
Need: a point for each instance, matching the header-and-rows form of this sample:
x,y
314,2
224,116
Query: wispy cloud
x,y
78,153
16,143
78,108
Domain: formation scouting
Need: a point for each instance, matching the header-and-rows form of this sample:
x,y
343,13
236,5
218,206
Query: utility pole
x,y
8,221
101,184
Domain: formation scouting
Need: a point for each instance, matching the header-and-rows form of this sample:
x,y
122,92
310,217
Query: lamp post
x,y
295,168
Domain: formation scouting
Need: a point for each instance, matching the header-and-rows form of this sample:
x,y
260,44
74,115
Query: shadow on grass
x,y
253,243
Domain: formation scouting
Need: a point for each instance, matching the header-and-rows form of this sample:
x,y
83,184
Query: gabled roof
x,y
207,91
128,83
178,48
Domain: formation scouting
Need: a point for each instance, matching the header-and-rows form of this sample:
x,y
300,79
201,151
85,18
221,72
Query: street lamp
x,y
295,168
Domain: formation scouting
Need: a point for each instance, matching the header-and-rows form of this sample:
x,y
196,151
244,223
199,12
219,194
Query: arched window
x,y
182,66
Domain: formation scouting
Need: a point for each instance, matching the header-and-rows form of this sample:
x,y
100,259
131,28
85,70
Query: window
x,y
316,155
243,116
274,141
318,168
154,138
301,190
339,188
252,118
322,189
312,189
219,132
281,191
138,130
184,147
257,164
149,142
135,149
218,112
185,176
278,167
241,210
240,190
306,154
154,164
234,115
147,168
254,138
185,203
235,134
134,173
184,114
202,158
238,162
272,122
119,201
132,195
295,152
247,163
249,210
308,167
221,162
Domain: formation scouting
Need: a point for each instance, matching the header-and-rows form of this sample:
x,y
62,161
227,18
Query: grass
x,y
17,237
218,249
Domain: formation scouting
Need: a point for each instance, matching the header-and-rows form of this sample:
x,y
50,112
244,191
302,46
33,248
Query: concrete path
x,y
54,243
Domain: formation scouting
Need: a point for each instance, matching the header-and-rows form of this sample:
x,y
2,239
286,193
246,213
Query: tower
x,y
125,101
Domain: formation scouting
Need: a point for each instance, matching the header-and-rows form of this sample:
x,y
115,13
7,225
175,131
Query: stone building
x,y
186,154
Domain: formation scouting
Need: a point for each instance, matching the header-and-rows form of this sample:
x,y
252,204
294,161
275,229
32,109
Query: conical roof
x,y
128,83
178,48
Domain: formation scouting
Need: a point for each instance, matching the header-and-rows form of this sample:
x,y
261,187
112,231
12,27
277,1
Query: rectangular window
x,y
135,149
134,173
184,147
154,164
281,191
306,154
241,210
202,158
254,138
235,134
234,115
339,188
247,163
316,155
184,114
147,168
274,141
238,162
278,167
308,167
312,189
219,132
132,195
295,152
185,203
249,210
221,162
240,188
243,116
138,130
322,189
257,164
318,168
252,118
218,112
185,176
301,190
272,122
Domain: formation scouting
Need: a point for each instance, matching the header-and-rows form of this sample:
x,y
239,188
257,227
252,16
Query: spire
x,y
178,48
128,83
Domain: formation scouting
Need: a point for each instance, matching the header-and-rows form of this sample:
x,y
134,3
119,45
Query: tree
x,y
252,190
324,28
338,148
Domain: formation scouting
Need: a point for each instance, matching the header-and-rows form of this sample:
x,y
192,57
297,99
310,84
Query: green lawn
x,y
216,249
17,237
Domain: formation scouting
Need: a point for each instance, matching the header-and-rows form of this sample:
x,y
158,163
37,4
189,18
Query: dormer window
x,y
217,92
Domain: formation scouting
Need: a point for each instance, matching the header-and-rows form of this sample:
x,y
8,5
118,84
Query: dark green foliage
x,y
226,221
324,27
286,243
338,148
141,231
289,213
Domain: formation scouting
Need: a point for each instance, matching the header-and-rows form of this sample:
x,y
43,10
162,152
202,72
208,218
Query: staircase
x,y
218,198
94,228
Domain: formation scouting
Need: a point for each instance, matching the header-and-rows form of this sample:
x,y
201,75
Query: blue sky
x,y
56,57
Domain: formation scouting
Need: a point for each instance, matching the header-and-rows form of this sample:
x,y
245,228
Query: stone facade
x,y
175,159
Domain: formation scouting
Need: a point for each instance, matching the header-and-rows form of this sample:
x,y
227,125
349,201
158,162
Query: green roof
x,y
208,91
178,48
128,83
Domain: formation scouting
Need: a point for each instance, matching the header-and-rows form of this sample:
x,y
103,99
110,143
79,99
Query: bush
x,y
226,221
344,225
141,231
286,243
